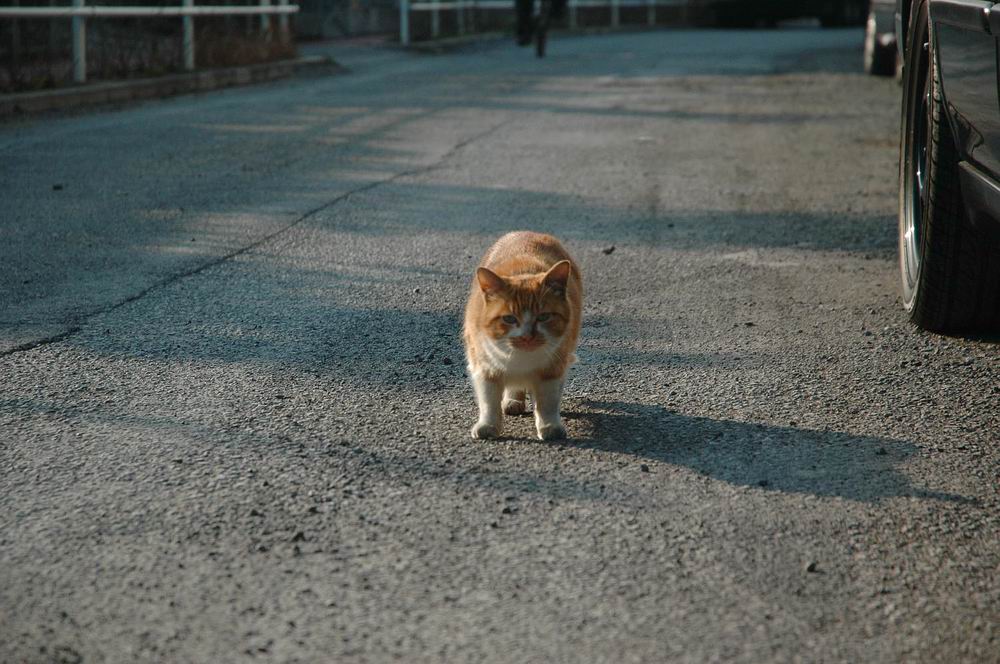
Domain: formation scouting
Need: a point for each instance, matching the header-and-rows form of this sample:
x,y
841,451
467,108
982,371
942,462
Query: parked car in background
x,y
949,165
880,53
752,13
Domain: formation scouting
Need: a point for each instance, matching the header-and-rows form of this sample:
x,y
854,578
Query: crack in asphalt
x,y
174,278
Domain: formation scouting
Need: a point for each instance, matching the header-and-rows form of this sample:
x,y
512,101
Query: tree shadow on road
x,y
773,458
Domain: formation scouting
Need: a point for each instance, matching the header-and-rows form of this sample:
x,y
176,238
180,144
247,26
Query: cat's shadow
x,y
790,459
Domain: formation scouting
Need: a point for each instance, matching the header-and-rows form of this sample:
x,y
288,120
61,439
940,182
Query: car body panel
x,y
969,15
965,34
982,198
968,62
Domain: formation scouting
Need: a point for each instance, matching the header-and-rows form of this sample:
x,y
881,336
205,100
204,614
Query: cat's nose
x,y
526,340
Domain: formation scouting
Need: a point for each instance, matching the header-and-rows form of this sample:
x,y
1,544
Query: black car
x,y
880,39
949,165
751,13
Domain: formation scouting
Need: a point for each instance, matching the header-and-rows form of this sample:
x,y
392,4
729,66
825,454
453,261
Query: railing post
x,y
188,43
572,14
651,13
460,17
79,46
15,38
435,19
265,20
283,23
614,13
54,41
404,22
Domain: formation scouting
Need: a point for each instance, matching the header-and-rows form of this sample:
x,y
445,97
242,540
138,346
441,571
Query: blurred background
x,y
36,53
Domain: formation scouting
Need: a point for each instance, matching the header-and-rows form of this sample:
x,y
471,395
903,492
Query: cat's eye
x,y
510,320
544,317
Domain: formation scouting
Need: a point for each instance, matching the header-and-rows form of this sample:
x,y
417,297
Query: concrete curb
x,y
26,103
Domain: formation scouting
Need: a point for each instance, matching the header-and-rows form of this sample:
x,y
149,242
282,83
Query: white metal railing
x,y
436,6
80,12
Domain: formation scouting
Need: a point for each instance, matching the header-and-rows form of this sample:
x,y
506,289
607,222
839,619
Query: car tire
x,y
949,282
879,57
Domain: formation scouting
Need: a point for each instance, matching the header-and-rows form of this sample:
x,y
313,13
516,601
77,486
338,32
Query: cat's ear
x,y
557,276
489,282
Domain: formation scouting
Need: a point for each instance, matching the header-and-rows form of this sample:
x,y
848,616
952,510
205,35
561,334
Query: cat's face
x,y
525,313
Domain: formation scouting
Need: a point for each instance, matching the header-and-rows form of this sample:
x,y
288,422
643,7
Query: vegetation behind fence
x,y
36,53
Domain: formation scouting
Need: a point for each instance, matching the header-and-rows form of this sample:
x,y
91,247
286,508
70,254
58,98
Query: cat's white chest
x,y
513,363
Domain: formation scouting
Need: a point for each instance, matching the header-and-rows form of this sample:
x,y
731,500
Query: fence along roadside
x,y
79,13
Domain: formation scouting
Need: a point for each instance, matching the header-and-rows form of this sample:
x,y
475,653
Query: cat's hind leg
x,y
513,402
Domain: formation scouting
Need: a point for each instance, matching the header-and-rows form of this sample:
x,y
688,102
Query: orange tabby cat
x,y
521,326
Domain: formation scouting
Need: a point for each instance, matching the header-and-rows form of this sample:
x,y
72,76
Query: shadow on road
x,y
774,458
402,211
259,169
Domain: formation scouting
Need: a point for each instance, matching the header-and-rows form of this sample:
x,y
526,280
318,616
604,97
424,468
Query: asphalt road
x,y
233,411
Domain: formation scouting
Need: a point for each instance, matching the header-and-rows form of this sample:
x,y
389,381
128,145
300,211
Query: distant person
x,y
526,20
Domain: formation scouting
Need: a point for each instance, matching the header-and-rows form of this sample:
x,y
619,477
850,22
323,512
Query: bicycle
x,y
541,22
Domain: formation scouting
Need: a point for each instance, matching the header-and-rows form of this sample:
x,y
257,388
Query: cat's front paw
x,y
514,407
483,430
551,431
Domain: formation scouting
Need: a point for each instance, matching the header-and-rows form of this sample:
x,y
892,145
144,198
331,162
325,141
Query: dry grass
x,y
35,54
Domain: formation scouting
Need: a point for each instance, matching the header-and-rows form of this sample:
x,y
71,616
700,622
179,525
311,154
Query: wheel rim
x,y
916,182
